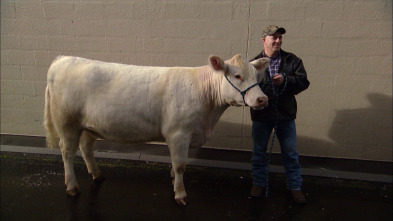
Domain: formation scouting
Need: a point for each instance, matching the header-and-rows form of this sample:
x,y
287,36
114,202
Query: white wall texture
x,y
346,47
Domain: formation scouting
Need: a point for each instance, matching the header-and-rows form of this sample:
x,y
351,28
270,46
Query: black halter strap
x,y
243,93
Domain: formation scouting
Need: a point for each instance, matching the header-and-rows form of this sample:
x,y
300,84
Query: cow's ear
x,y
217,63
261,64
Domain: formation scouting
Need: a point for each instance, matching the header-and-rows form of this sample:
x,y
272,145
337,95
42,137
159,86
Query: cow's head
x,y
240,85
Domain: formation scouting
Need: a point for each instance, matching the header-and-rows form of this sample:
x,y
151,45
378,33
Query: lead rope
x,y
276,93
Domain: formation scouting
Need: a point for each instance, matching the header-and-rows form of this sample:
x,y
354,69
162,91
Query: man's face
x,y
273,42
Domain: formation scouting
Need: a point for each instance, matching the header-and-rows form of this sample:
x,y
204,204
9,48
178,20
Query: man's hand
x,y
278,79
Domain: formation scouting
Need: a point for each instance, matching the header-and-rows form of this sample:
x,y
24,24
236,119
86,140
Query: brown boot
x,y
257,191
298,196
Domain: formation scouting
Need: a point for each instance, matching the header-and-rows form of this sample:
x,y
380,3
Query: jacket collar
x,y
284,56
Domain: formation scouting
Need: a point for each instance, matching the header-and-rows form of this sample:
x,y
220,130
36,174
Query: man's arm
x,y
298,81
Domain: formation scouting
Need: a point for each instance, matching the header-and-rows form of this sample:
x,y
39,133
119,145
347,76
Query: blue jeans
x,y
286,134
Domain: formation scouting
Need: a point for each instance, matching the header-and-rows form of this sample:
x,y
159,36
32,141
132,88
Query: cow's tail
x,y
52,139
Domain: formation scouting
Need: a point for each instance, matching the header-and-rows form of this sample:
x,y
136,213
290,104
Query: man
x,y
286,78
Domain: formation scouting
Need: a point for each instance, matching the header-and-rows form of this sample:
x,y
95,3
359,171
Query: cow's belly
x,y
138,129
119,134
123,126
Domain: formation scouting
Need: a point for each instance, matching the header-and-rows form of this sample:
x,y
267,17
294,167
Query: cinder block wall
x,y
346,47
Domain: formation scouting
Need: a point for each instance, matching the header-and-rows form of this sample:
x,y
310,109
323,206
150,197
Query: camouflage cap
x,y
271,29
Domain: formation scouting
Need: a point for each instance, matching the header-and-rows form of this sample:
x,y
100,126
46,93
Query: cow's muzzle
x,y
261,103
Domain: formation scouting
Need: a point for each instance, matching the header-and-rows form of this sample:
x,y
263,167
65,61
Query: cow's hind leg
x,y
69,145
86,145
178,146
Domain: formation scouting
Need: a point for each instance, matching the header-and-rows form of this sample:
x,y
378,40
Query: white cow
x,y
87,99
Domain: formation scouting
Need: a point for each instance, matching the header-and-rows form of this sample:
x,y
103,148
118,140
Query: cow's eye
x,y
238,77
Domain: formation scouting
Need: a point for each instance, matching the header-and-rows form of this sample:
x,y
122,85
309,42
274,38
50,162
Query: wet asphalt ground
x,y
32,188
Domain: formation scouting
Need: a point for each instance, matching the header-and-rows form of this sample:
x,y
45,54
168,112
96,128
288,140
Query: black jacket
x,y
297,81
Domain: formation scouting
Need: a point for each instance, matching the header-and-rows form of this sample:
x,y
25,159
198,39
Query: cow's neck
x,y
210,87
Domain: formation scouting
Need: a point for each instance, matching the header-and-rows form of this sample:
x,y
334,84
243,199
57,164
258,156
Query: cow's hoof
x,y
181,201
99,179
74,192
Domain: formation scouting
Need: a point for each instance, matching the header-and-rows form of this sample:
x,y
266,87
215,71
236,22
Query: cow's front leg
x,y
178,146
178,184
